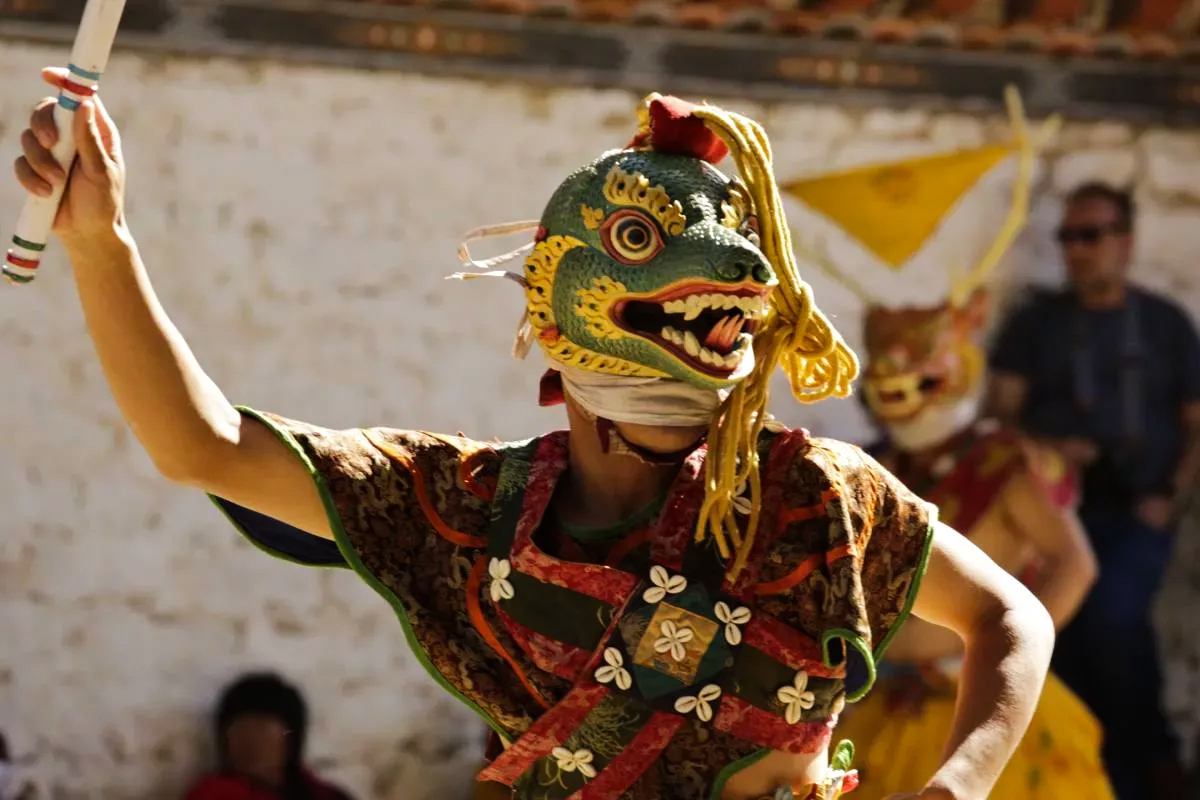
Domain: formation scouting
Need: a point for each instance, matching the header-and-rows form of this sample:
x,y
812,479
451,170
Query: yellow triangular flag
x,y
893,208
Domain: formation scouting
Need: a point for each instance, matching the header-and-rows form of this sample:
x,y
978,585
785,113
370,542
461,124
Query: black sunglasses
x,y
1085,234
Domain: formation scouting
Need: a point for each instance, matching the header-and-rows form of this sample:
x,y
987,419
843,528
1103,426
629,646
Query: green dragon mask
x,y
647,265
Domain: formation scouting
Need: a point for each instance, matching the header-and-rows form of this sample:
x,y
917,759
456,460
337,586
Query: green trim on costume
x,y
856,641
915,587
348,552
732,769
842,757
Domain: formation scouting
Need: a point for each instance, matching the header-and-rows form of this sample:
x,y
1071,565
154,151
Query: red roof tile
x,y
1139,29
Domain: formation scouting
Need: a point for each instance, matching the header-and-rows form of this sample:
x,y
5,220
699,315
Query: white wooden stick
x,y
89,57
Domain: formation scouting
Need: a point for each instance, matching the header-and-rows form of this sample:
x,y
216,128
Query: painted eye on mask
x,y
631,237
749,229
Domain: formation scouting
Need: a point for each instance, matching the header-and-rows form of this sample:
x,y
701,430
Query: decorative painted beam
x,y
437,40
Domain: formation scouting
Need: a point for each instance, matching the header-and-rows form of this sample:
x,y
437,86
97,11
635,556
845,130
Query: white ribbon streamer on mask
x,y
486,269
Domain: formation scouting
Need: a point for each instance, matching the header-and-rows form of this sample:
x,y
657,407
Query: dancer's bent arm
x,y
190,430
1008,637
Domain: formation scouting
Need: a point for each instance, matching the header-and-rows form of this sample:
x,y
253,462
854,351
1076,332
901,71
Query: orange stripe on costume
x,y
475,613
467,465
444,530
801,513
803,571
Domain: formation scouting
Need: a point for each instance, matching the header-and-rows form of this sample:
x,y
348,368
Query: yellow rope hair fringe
x,y
795,336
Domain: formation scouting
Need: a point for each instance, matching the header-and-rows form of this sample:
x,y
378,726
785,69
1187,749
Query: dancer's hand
x,y
93,203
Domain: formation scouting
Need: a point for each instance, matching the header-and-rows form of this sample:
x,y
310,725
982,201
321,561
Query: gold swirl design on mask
x,y
633,189
739,205
592,217
594,304
541,267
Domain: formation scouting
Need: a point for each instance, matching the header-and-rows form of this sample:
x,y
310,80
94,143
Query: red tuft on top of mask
x,y
674,129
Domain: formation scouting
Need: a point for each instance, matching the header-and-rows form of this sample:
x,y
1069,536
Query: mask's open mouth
x,y
902,397
707,326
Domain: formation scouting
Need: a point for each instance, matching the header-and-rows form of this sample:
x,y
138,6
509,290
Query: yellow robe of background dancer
x,y
1013,497
899,731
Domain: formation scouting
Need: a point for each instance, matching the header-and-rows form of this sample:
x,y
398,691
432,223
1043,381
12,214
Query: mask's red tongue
x,y
722,336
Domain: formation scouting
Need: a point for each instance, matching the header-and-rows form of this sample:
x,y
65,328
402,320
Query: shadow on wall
x,y
12,785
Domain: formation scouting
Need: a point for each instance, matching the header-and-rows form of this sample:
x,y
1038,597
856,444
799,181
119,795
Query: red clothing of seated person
x,y
229,786
261,725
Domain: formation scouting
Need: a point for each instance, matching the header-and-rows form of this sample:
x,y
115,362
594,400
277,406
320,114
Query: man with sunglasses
x,y
1109,374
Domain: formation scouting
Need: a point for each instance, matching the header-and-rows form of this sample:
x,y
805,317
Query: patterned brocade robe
x,y
650,675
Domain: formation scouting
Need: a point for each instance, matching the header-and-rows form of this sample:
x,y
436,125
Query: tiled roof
x,y
1114,29
1112,59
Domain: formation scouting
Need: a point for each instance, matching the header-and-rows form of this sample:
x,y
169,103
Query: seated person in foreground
x,y
261,724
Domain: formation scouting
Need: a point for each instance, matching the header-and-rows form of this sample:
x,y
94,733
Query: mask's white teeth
x,y
731,302
673,336
733,358
692,307
691,344
753,306
709,357
674,306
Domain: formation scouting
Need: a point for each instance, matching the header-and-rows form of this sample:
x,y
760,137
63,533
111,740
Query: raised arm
x,y
1008,638
190,430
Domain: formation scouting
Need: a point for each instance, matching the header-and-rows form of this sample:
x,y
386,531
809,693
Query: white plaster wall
x,y
298,223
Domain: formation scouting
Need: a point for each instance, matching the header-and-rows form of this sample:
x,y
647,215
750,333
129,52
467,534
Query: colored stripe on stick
x,y
25,263
28,245
69,103
13,277
83,73
77,89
